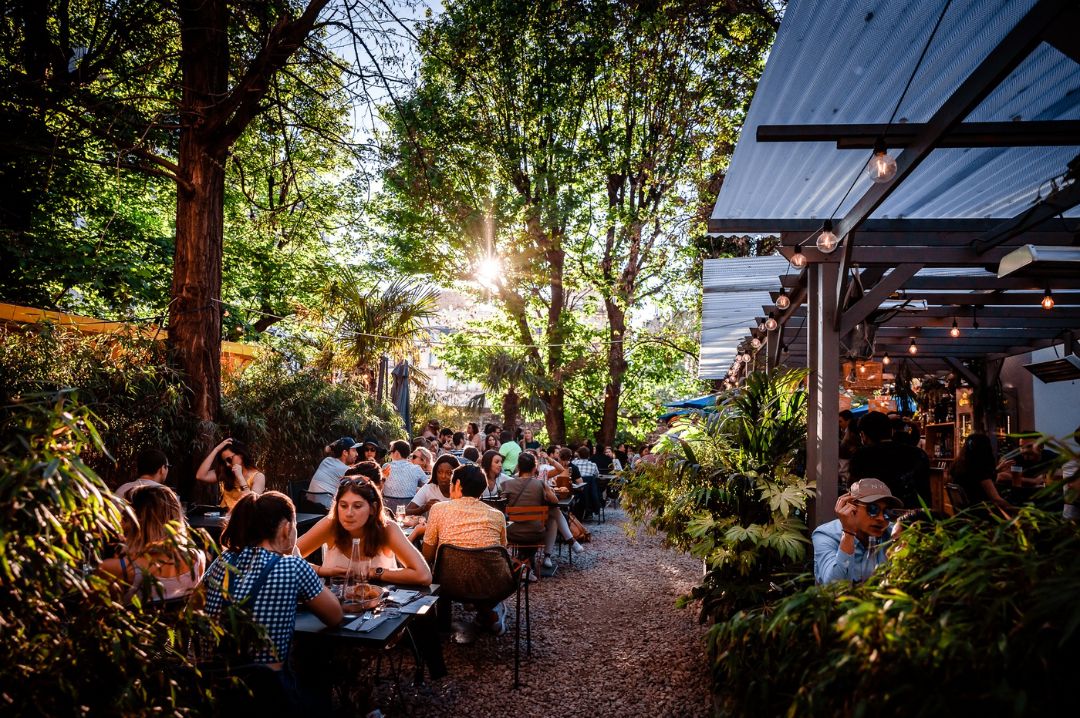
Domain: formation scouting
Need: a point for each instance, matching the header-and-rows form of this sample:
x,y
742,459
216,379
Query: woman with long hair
x,y
423,458
975,470
357,513
473,435
230,464
491,462
436,490
257,568
156,545
491,442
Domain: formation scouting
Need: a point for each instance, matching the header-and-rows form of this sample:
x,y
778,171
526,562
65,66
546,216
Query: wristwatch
x,y
378,571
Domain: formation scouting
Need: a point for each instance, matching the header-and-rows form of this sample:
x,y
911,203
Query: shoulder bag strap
x,y
259,581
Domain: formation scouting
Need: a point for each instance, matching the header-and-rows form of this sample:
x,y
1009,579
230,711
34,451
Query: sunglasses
x,y
360,485
228,459
874,510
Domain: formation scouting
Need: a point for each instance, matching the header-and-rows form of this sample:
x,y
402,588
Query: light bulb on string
x,y
798,259
762,328
862,368
955,331
885,359
913,349
771,323
826,239
783,301
755,343
881,166
1047,300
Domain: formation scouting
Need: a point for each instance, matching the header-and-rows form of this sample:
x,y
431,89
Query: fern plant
x,y
726,491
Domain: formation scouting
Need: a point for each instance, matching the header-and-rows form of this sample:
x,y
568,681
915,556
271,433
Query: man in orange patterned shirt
x,y
468,522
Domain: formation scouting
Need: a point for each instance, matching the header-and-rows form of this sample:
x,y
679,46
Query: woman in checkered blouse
x,y
262,532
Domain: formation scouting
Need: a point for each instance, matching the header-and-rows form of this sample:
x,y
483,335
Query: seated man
x,y
152,468
1037,463
904,469
848,548
467,522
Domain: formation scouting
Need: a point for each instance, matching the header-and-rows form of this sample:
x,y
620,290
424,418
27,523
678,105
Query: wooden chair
x,y
521,514
485,575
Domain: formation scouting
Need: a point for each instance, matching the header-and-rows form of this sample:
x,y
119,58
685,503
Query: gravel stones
x,y
607,641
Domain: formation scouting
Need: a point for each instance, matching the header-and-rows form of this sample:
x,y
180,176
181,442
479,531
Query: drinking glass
x,y
337,586
400,513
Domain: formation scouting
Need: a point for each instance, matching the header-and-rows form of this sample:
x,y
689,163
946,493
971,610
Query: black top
x,y
904,469
971,482
1035,468
603,463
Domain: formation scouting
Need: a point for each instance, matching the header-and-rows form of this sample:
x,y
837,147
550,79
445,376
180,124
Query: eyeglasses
x,y
414,456
873,510
228,459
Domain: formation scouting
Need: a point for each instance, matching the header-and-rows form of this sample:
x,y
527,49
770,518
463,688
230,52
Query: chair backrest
x,y
496,503
475,574
305,501
957,496
527,513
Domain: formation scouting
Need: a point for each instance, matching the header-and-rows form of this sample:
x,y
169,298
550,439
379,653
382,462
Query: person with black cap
x,y
849,547
324,484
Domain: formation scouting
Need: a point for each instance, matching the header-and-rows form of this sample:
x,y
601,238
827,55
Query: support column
x,y
823,440
772,348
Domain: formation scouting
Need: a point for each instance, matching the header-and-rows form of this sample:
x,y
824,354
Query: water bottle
x,y
353,577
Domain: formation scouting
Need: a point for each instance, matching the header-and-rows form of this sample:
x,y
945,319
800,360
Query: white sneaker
x,y
532,577
548,563
577,548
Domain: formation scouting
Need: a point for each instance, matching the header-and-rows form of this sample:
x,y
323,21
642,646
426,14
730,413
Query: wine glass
x,y
399,512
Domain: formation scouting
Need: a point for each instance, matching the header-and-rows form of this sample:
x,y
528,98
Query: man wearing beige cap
x,y
848,547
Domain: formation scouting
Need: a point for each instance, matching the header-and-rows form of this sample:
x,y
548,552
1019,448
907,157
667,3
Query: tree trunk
x,y
555,413
194,314
511,402
616,361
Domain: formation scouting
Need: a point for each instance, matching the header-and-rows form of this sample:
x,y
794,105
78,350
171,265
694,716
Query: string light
x,y
881,166
885,359
862,368
913,349
783,301
826,240
955,331
1047,300
771,323
755,343
798,259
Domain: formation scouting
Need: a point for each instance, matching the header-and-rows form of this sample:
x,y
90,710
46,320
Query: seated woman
x,y
258,568
151,550
436,490
357,513
491,462
850,547
525,489
975,471
233,468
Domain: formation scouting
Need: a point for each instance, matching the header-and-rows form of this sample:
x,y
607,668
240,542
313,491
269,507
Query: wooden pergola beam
x,y
1032,133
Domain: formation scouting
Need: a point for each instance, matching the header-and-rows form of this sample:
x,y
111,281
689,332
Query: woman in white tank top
x,y
357,513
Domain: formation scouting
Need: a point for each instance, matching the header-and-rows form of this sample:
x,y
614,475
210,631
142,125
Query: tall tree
x,y
662,118
167,89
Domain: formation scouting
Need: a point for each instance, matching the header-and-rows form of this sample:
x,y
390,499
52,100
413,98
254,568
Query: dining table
x,y
368,634
212,519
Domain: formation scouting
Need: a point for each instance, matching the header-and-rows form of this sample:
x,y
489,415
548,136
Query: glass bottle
x,y
353,576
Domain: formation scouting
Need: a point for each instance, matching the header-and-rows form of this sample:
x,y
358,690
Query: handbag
x,y
577,529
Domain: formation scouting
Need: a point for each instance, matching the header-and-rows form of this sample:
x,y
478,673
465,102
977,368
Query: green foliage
x,y
725,491
68,646
288,414
971,616
123,378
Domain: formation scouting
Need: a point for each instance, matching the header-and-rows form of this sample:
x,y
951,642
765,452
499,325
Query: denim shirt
x,y
832,564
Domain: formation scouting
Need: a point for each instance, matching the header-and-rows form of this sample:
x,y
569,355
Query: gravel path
x,y
607,641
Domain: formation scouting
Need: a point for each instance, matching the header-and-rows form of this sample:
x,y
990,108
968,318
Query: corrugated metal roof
x,y
734,291
848,62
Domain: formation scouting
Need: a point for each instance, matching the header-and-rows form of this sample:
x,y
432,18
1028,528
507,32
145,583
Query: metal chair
x,y
485,575
306,502
958,498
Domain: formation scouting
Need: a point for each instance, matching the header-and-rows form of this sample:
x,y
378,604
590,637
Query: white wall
x,y
1057,405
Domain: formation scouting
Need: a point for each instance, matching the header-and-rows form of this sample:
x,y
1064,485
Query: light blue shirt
x,y
324,484
832,564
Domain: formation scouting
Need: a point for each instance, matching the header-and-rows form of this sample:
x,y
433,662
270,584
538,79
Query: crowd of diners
x,y
884,481
368,491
